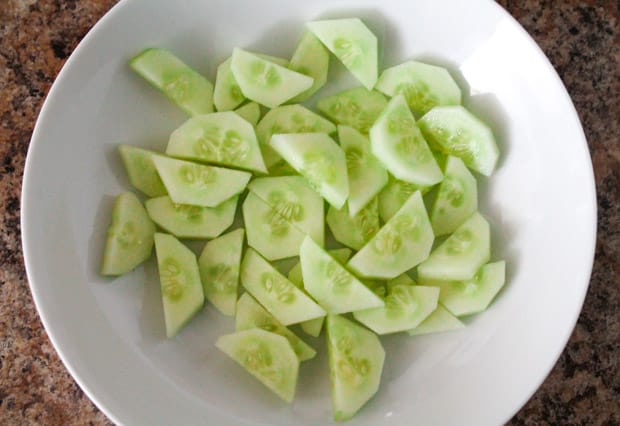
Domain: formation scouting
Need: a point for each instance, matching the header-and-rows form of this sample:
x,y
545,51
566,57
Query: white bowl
x,y
109,334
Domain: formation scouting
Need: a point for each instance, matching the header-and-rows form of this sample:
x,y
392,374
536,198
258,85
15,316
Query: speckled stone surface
x,y
582,39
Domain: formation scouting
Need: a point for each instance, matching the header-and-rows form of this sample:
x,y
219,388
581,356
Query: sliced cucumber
x,y
353,44
471,296
199,185
189,90
462,254
311,59
268,232
439,321
395,194
403,242
250,314
250,112
355,362
455,131
398,143
366,174
357,108
402,279
279,296
141,170
185,221
181,290
406,306
219,270
330,284
267,356
266,82
354,231
294,201
457,198
424,86
221,138
129,240
318,159
227,94
288,119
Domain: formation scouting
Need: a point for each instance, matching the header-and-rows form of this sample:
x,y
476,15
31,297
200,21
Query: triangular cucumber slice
x,y
311,59
221,138
366,174
474,295
181,290
356,360
266,82
219,265
318,159
188,89
129,239
439,321
398,143
403,242
197,184
457,198
455,131
267,356
250,112
357,108
250,314
402,279
406,306
279,296
227,94
330,284
353,43
462,254
185,221
395,194
424,86
294,201
141,170
354,231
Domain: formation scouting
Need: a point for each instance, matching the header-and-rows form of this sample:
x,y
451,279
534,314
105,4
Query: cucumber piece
x,y
318,159
403,242
457,198
424,86
141,170
395,194
311,59
250,112
439,321
267,356
227,94
279,296
474,295
455,131
129,240
185,221
402,279
250,314
294,201
288,119
313,327
358,108
461,255
219,270
356,360
330,284
188,89
266,82
398,143
221,138
354,231
406,306
275,59
353,44
181,290
366,174
268,232
199,185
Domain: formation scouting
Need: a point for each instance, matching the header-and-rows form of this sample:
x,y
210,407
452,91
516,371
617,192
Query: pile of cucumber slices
x,y
386,165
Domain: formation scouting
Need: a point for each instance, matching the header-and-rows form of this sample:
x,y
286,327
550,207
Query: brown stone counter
x,y
582,39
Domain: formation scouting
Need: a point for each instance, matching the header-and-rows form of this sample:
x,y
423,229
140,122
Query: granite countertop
x,y
582,39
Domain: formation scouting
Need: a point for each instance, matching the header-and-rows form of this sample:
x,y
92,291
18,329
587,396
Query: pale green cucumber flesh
x,y
395,194
141,170
250,112
227,94
357,108
354,231
313,327
312,59
439,321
